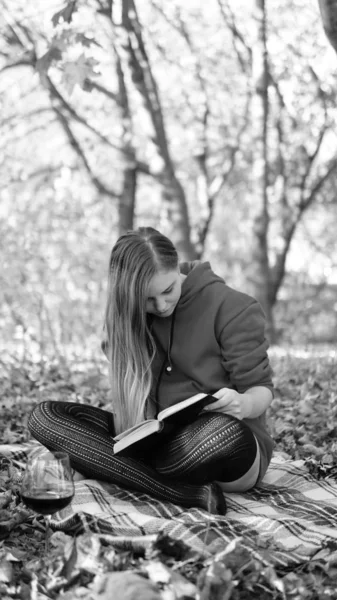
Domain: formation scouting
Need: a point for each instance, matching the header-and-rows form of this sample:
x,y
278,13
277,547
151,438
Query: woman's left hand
x,y
229,402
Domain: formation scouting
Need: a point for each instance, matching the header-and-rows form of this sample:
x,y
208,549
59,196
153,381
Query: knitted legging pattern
x,y
213,447
85,432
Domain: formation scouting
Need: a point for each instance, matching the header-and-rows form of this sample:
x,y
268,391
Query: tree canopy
x,y
215,124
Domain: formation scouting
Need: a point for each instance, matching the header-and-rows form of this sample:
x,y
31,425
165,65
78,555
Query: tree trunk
x,y
174,200
260,272
127,201
175,218
328,10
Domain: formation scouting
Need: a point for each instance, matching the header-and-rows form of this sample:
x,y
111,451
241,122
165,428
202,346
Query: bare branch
x,y
202,150
43,172
105,8
277,272
184,94
28,131
280,98
101,188
322,97
220,179
290,227
14,28
312,157
94,85
25,61
74,114
144,81
31,113
30,61
237,36
308,199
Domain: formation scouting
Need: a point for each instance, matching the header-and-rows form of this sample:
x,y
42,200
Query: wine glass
x,y
47,485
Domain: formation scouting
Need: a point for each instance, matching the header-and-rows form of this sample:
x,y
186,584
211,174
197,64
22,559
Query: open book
x,y
179,414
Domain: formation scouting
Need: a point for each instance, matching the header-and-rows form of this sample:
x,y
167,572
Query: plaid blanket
x,y
289,518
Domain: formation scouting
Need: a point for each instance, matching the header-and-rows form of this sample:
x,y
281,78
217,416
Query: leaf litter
x,y
90,567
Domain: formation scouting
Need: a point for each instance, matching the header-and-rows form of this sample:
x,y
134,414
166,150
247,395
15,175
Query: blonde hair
x,y
135,258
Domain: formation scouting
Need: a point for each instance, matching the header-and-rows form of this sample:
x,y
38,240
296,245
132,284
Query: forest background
x,y
215,122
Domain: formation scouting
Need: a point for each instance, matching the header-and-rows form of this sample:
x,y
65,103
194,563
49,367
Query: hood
x,y
199,275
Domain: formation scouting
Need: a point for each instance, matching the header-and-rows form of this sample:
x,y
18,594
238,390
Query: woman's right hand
x,y
228,402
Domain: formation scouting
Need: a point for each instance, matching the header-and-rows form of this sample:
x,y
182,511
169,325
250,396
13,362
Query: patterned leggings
x,y
183,470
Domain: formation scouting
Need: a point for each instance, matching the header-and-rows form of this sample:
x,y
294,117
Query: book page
x,y
171,410
136,433
130,431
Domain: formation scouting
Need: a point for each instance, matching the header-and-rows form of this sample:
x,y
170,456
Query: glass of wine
x,y
47,484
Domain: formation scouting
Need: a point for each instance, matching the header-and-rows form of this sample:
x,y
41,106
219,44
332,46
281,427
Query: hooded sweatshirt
x,y
214,339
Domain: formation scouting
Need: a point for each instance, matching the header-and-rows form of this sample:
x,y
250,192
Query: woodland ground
x,y
302,421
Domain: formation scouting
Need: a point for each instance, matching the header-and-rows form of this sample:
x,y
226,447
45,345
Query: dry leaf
x,y
127,585
6,571
160,573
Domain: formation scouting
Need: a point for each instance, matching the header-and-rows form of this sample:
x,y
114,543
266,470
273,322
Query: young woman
x,y
173,330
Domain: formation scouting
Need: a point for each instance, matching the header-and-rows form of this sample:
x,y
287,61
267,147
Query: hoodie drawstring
x,y
169,367
166,367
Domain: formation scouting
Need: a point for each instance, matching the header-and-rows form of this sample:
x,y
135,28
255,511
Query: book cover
x,y
177,415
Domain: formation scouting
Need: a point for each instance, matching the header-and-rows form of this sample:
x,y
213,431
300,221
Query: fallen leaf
x,y
5,499
160,573
216,581
128,585
6,571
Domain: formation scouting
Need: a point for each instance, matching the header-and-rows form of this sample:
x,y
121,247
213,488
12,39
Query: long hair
x,y
135,258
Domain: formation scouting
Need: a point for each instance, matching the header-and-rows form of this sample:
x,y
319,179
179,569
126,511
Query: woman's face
x,y
163,293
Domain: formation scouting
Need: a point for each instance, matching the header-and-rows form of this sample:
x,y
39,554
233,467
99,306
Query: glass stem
x,y
47,545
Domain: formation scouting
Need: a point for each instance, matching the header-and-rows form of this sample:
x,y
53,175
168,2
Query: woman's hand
x,y
249,405
228,402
